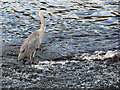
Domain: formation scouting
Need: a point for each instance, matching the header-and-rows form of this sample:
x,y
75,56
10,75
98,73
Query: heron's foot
x,y
30,63
35,63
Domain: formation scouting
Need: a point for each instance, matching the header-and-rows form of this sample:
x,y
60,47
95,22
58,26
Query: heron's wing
x,y
30,42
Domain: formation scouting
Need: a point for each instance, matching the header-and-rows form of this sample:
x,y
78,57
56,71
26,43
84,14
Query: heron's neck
x,y
42,21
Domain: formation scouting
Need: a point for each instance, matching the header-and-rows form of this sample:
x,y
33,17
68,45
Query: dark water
x,y
79,48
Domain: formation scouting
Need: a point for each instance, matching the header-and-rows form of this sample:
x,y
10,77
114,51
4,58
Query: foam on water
x,y
45,64
97,55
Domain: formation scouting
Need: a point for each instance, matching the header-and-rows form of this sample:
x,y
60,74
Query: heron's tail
x,y
20,56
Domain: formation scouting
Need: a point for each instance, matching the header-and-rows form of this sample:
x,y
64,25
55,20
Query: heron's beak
x,y
51,11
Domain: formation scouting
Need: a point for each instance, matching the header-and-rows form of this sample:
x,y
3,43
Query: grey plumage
x,y
31,44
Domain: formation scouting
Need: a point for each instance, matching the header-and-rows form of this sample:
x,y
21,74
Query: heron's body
x,y
32,43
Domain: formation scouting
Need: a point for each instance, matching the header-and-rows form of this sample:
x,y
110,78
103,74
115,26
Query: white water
x,y
97,55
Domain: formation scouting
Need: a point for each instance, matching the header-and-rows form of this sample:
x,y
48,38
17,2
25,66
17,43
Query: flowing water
x,y
80,48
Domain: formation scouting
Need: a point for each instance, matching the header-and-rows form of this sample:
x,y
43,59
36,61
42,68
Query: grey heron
x,y
32,43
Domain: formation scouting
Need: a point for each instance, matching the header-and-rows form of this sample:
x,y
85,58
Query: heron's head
x,y
42,10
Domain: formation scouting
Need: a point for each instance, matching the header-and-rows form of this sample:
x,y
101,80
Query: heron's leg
x,y
34,55
30,60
